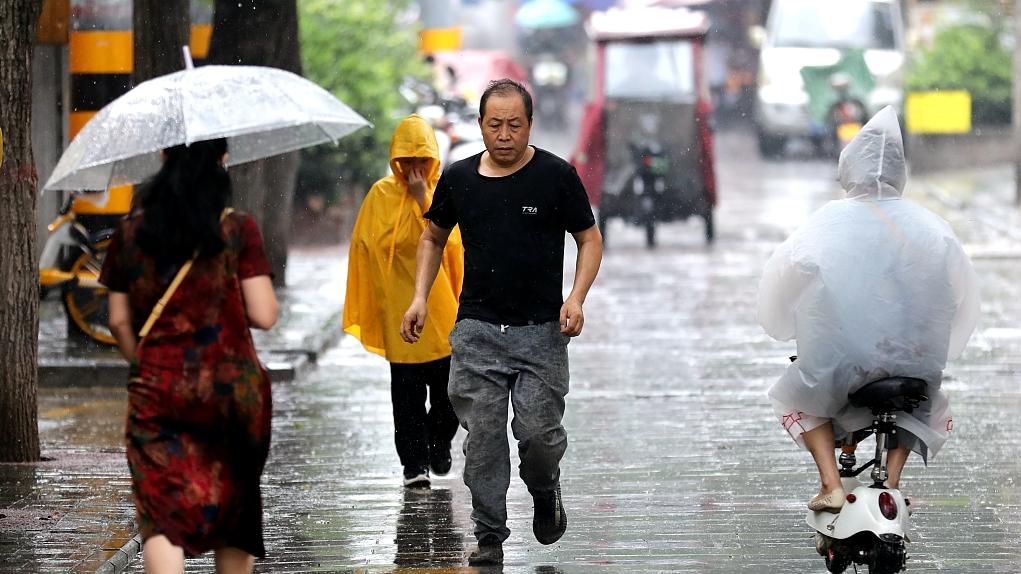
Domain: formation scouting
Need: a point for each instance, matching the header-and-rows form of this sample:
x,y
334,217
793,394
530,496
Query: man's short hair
x,y
506,87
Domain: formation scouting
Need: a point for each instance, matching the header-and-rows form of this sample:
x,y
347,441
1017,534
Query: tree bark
x,y
262,33
160,29
19,287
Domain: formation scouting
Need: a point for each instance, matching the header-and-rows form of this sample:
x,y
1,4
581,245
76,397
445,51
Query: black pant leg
x,y
411,433
442,419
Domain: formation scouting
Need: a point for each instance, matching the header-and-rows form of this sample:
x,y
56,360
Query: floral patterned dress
x,y
199,401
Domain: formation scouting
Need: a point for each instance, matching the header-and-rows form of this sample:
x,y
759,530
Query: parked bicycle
x,y
70,264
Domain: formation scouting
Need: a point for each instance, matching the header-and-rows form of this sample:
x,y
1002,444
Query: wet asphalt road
x,y
675,462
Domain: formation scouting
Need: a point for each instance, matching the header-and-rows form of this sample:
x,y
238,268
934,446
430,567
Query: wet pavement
x,y
675,462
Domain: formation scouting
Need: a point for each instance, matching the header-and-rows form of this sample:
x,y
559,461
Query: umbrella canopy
x,y
261,111
546,14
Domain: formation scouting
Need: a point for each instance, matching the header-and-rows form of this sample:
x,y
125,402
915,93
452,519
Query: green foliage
x,y
969,57
358,51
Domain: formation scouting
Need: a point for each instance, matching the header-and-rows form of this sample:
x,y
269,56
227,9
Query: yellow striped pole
x,y
101,56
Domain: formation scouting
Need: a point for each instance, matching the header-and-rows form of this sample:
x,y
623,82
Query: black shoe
x,y
488,552
549,521
439,459
415,477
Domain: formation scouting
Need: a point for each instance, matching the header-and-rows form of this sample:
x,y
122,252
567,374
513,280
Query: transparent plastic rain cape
x,y
870,286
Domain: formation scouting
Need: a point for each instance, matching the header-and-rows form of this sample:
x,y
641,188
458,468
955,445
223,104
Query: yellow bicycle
x,y
72,259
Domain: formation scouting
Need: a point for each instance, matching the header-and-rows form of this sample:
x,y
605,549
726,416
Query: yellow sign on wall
x,y
939,112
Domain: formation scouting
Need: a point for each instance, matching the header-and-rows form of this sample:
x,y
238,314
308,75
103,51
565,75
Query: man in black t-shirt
x,y
513,203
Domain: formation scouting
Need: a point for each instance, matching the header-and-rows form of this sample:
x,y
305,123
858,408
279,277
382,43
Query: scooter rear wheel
x,y
650,233
887,557
836,562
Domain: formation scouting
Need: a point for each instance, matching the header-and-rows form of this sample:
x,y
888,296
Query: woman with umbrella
x,y
199,400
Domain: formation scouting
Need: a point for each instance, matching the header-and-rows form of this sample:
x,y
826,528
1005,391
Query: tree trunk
x,y
262,33
19,287
160,29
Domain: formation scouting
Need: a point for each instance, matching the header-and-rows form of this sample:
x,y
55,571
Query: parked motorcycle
x,y
71,261
464,133
453,119
641,193
872,526
549,78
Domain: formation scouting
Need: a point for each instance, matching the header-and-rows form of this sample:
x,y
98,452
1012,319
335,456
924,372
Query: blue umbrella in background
x,y
537,14
594,5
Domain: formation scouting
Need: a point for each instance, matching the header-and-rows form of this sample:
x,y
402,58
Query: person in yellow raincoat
x,y
380,286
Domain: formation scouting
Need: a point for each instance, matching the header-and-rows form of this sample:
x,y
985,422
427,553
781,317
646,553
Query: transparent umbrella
x,y
261,111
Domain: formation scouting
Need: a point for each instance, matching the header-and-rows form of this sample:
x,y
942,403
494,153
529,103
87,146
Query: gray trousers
x,y
491,363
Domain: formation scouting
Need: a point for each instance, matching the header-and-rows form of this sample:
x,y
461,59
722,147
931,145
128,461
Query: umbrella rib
x,y
326,133
293,101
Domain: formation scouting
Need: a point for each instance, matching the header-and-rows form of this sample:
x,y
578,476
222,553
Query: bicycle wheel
x,y
86,305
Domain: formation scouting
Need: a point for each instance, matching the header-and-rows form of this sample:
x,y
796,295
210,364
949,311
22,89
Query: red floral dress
x,y
199,401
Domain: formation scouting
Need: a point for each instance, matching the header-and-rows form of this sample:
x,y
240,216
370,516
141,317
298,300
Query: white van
x,y
813,33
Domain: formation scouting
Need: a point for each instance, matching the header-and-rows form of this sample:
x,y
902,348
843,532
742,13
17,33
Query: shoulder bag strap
x,y
158,309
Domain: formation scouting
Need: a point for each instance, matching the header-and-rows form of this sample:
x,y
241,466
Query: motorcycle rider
x,y
870,286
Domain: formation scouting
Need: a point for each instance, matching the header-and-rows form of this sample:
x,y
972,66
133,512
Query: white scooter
x,y
872,527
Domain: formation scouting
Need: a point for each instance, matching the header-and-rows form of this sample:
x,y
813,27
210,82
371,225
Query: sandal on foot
x,y
831,501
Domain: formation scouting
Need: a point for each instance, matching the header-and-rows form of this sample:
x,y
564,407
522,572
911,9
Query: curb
x,y
120,560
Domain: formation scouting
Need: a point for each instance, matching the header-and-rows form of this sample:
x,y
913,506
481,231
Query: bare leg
x,y
895,460
820,443
234,561
162,557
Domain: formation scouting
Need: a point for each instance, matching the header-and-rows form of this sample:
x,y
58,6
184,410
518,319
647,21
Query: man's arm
x,y
590,255
427,265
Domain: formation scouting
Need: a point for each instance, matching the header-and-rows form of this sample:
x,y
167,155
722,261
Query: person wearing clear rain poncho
x,y
381,284
870,286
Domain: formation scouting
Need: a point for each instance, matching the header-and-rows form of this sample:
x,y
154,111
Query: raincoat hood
x,y
381,259
414,137
872,166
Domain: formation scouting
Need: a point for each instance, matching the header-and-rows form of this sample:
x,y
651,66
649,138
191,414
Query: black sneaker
x,y
415,477
439,459
488,552
549,521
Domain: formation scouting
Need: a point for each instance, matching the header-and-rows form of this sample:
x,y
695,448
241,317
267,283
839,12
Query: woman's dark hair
x,y
506,87
181,204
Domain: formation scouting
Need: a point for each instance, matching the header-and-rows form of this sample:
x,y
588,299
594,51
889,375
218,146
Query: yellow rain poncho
x,y
381,263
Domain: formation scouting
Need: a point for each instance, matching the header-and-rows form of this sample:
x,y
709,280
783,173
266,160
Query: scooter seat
x,y
892,391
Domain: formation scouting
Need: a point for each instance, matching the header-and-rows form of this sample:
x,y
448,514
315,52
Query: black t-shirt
x,y
513,232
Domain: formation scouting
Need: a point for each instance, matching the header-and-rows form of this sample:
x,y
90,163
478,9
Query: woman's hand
x,y
417,184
